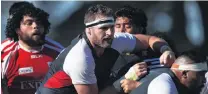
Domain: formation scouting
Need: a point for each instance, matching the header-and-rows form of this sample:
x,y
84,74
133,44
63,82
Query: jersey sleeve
x,y
123,42
7,47
80,66
168,86
4,64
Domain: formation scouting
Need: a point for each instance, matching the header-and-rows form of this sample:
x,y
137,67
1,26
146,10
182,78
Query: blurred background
x,y
184,22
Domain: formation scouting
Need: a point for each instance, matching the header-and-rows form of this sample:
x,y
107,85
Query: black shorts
x,y
63,90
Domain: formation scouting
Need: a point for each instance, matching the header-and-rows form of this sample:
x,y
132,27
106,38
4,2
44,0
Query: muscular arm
x,y
145,41
158,45
86,88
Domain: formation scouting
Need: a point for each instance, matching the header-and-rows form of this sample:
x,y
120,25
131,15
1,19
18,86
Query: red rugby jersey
x,y
24,69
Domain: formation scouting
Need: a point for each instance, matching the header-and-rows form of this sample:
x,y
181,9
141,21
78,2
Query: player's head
x,y
99,24
18,5
190,68
28,24
131,20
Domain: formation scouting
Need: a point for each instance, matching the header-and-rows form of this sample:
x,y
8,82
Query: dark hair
x,y
18,5
194,56
97,10
137,16
17,15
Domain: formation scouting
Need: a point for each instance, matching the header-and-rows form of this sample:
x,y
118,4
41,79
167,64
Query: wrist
x,y
137,84
131,74
165,48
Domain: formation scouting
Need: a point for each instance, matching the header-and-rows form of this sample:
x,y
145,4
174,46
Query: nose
x,y
35,25
123,28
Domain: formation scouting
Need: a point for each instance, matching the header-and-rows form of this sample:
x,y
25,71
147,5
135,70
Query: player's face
x,y
123,24
195,80
31,31
102,36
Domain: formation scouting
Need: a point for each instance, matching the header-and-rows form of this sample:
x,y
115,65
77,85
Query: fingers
x,y
126,90
140,69
140,66
162,59
167,58
124,85
122,81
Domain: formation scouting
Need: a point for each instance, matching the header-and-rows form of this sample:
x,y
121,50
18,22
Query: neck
x,y
177,74
28,47
99,50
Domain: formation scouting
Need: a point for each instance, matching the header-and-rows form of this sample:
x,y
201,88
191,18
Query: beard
x,y
105,43
33,40
194,88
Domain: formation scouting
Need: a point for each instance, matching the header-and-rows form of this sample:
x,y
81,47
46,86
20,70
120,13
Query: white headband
x,y
193,67
101,22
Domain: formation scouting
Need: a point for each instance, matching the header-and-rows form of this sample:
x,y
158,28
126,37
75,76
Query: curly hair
x,y
137,16
16,16
95,11
18,5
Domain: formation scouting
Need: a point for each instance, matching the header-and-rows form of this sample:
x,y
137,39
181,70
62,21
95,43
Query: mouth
x,y
107,39
38,34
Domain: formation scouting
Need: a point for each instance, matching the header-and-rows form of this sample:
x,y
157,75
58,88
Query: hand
x,y
136,71
167,58
129,85
140,69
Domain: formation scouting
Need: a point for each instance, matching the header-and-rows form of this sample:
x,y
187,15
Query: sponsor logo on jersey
x,y
36,56
25,70
30,84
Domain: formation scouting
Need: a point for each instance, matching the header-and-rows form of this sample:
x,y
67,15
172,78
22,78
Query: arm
x,y
145,41
81,71
158,45
86,88
129,85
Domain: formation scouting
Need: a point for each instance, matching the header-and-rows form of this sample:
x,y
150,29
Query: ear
x,y
184,74
17,31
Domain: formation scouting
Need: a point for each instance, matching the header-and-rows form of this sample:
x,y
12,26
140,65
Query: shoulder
x,y
122,35
79,54
164,80
123,42
7,45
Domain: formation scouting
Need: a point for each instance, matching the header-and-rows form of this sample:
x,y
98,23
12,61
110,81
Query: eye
x,y
104,28
28,22
128,26
117,26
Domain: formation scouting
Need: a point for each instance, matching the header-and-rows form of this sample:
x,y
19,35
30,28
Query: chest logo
x,y
36,56
25,70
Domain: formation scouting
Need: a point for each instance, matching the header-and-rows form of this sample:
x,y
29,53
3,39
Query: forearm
x,y
158,44
155,43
